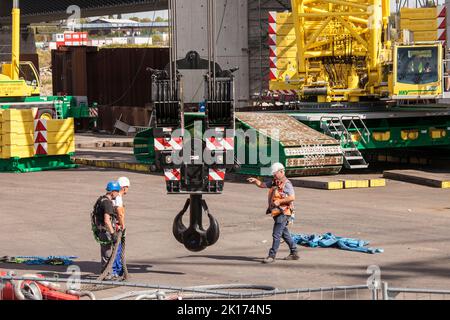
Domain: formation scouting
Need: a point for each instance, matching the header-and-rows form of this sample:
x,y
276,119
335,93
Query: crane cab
x,y
27,85
417,72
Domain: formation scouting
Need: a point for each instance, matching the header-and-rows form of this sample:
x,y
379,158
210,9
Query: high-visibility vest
x,y
275,193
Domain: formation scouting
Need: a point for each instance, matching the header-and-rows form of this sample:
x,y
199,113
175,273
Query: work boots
x,y
292,256
268,260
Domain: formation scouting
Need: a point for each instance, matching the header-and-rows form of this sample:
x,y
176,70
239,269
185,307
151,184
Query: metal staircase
x,y
58,109
341,128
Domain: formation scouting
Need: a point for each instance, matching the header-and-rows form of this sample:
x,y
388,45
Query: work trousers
x,y
118,266
280,230
105,253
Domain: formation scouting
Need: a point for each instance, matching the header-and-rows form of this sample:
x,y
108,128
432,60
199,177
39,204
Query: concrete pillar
x,y
232,37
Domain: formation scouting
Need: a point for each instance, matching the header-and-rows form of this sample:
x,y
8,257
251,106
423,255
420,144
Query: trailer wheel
x,y
45,114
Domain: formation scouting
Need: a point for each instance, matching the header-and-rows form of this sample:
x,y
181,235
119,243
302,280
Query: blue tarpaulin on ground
x,y
329,240
50,260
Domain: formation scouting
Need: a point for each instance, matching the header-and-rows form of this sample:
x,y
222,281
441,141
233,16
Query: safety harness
x,y
96,230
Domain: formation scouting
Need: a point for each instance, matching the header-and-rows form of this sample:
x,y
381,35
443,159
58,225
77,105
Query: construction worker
x,y
281,198
119,207
104,220
124,183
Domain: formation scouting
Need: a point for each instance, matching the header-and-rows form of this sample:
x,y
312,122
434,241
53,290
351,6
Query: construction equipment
x,y
194,159
359,76
346,51
20,85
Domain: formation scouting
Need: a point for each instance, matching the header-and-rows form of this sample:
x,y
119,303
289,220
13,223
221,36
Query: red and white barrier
x,y
216,174
220,144
172,174
162,144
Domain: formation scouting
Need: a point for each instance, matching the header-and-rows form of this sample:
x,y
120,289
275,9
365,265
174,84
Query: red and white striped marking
x,y
162,144
40,135
216,174
172,174
93,112
442,23
220,144
273,75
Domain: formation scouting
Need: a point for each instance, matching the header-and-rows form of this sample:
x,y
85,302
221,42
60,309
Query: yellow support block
x,y
18,139
18,127
17,151
335,185
21,115
351,184
60,136
418,13
60,148
445,185
373,183
60,125
419,25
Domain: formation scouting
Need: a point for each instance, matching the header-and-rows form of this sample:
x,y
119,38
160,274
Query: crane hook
x,y
195,238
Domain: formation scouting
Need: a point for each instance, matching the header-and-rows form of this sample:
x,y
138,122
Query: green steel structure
x,y
355,132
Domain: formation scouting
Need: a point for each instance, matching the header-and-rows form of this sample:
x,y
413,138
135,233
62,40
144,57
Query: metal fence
x,y
393,293
29,287
33,288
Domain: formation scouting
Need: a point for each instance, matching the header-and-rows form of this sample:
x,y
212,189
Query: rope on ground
x,y
108,268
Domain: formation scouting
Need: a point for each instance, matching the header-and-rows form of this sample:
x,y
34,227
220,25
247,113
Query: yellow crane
x,y
347,50
18,78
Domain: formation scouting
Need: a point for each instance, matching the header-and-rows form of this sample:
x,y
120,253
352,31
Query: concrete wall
x,y
232,37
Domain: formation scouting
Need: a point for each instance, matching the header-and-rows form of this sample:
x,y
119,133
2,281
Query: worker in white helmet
x,y
119,207
124,183
281,206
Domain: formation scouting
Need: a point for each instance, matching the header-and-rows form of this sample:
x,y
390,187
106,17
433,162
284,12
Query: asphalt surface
x,y
47,213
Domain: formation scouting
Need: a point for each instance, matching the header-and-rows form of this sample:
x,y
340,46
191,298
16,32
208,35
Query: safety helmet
x,y
113,186
123,182
276,167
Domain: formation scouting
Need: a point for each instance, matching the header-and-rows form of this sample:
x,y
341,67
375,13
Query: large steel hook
x,y
195,237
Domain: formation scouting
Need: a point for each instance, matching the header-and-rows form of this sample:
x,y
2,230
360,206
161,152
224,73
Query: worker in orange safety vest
x,y
281,206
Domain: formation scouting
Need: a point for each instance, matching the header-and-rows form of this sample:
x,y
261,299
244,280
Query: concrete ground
x,y
47,213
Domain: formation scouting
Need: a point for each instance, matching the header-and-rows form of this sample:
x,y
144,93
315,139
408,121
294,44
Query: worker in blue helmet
x,y
104,220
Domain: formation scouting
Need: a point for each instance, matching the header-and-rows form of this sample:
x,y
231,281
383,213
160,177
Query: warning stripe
x,y
273,62
272,39
41,148
40,125
40,136
93,112
442,10
273,74
216,174
284,92
220,144
441,35
172,174
162,144
272,17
